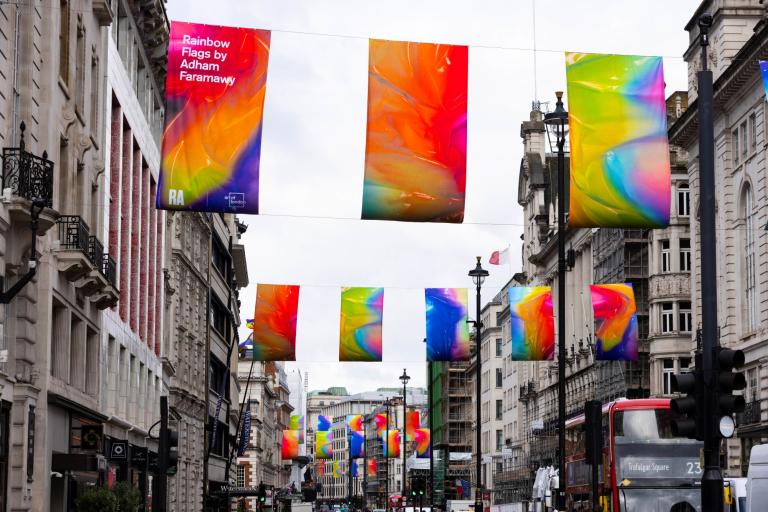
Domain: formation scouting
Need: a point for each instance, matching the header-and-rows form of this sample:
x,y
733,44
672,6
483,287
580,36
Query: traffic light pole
x,y
160,495
712,480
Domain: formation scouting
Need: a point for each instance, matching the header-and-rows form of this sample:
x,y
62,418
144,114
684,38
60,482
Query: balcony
x,y
73,255
751,414
108,295
26,178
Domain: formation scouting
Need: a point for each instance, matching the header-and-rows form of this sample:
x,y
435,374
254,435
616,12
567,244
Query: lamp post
x,y
478,275
557,122
385,444
404,378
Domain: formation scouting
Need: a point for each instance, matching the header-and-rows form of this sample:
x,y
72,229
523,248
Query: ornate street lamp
x,y
478,275
557,126
404,378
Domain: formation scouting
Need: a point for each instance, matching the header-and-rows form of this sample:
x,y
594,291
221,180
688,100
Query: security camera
x,y
56,474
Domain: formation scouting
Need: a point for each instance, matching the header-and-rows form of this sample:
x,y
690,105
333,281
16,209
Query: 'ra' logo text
x,y
175,197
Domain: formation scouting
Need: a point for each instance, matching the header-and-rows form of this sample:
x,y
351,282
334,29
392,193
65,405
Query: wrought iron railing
x,y
96,252
73,233
109,269
751,414
27,175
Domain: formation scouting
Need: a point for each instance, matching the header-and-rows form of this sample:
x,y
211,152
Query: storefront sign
x,y
90,436
139,457
118,450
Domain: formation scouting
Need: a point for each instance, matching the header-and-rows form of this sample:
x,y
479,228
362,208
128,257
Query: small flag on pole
x,y
499,257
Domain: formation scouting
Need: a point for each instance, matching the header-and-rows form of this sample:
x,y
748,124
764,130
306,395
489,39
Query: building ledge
x,y
73,263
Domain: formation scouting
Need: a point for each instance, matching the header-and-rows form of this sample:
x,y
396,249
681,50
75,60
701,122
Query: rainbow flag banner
x,y
416,143
532,323
289,447
323,445
355,423
362,314
412,422
620,171
381,423
274,332
323,423
391,443
615,321
421,437
764,72
215,90
338,471
371,467
296,422
447,328
356,445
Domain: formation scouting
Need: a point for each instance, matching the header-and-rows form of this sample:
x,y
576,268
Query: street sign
x,y
139,457
118,450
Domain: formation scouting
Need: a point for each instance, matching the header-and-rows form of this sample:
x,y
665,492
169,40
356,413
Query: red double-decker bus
x,y
645,467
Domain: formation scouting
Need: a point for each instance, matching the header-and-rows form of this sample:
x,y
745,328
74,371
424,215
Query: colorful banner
x,y
362,313
323,423
301,436
416,143
296,422
320,468
356,445
620,173
274,332
764,72
353,468
532,323
338,471
245,433
371,466
391,443
447,327
289,447
421,437
615,321
249,323
215,89
323,445
355,423
381,423
412,422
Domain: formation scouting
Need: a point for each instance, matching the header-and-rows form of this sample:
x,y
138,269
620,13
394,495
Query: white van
x,y
757,479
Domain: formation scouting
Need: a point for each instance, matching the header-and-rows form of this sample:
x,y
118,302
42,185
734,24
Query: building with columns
x,y
738,40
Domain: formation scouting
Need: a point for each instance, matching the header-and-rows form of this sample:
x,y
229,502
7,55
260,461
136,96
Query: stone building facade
x,y
738,40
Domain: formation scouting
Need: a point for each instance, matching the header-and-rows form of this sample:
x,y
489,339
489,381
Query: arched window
x,y
748,219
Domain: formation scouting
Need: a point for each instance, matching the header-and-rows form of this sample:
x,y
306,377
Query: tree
x,y
128,497
97,499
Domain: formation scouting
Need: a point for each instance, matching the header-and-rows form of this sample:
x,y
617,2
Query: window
x,y
667,317
219,318
499,440
752,392
240,476
217,377
743,140
64,41
498,347
685,363
499,408
735,142
750,265
685,316
498,377
685,255
666,259
668,369
752,133
683,200
220,258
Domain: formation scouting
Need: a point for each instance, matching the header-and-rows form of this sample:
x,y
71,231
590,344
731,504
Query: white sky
x,y
313,150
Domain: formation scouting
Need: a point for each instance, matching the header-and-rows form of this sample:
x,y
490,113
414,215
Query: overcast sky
x,y
313,150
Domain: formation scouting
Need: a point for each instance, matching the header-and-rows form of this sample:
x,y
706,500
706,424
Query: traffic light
x,y
172,457
593,425
726,382
689,408
262,493
418,486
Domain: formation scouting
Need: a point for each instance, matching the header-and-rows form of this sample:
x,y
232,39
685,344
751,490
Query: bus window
x,y
643,425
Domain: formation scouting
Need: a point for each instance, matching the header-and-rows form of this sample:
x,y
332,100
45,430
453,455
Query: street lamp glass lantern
x,y
478,274
404,378
556,123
